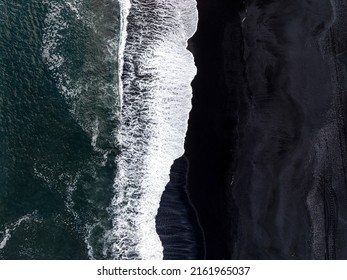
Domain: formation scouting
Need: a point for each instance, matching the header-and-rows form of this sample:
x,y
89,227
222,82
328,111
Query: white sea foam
x,y
154,97
156,101
55,25
7,233
75,7
89,92
95,130
124,6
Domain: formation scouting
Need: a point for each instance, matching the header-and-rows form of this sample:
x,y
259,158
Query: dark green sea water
x,y
94,104
58,102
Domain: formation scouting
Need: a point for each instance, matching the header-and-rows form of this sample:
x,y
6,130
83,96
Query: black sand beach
x,y
218,100
266,142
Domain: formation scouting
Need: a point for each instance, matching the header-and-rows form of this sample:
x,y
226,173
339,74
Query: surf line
x,y
124,6
156,73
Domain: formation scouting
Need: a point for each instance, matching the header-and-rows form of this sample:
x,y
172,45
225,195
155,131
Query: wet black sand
x,y
177,223
266,142
218,98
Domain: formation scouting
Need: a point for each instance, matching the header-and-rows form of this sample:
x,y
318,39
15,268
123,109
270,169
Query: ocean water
x,y
94,104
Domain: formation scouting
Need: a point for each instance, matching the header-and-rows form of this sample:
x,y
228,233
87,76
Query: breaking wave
x,y
124,70
156,101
